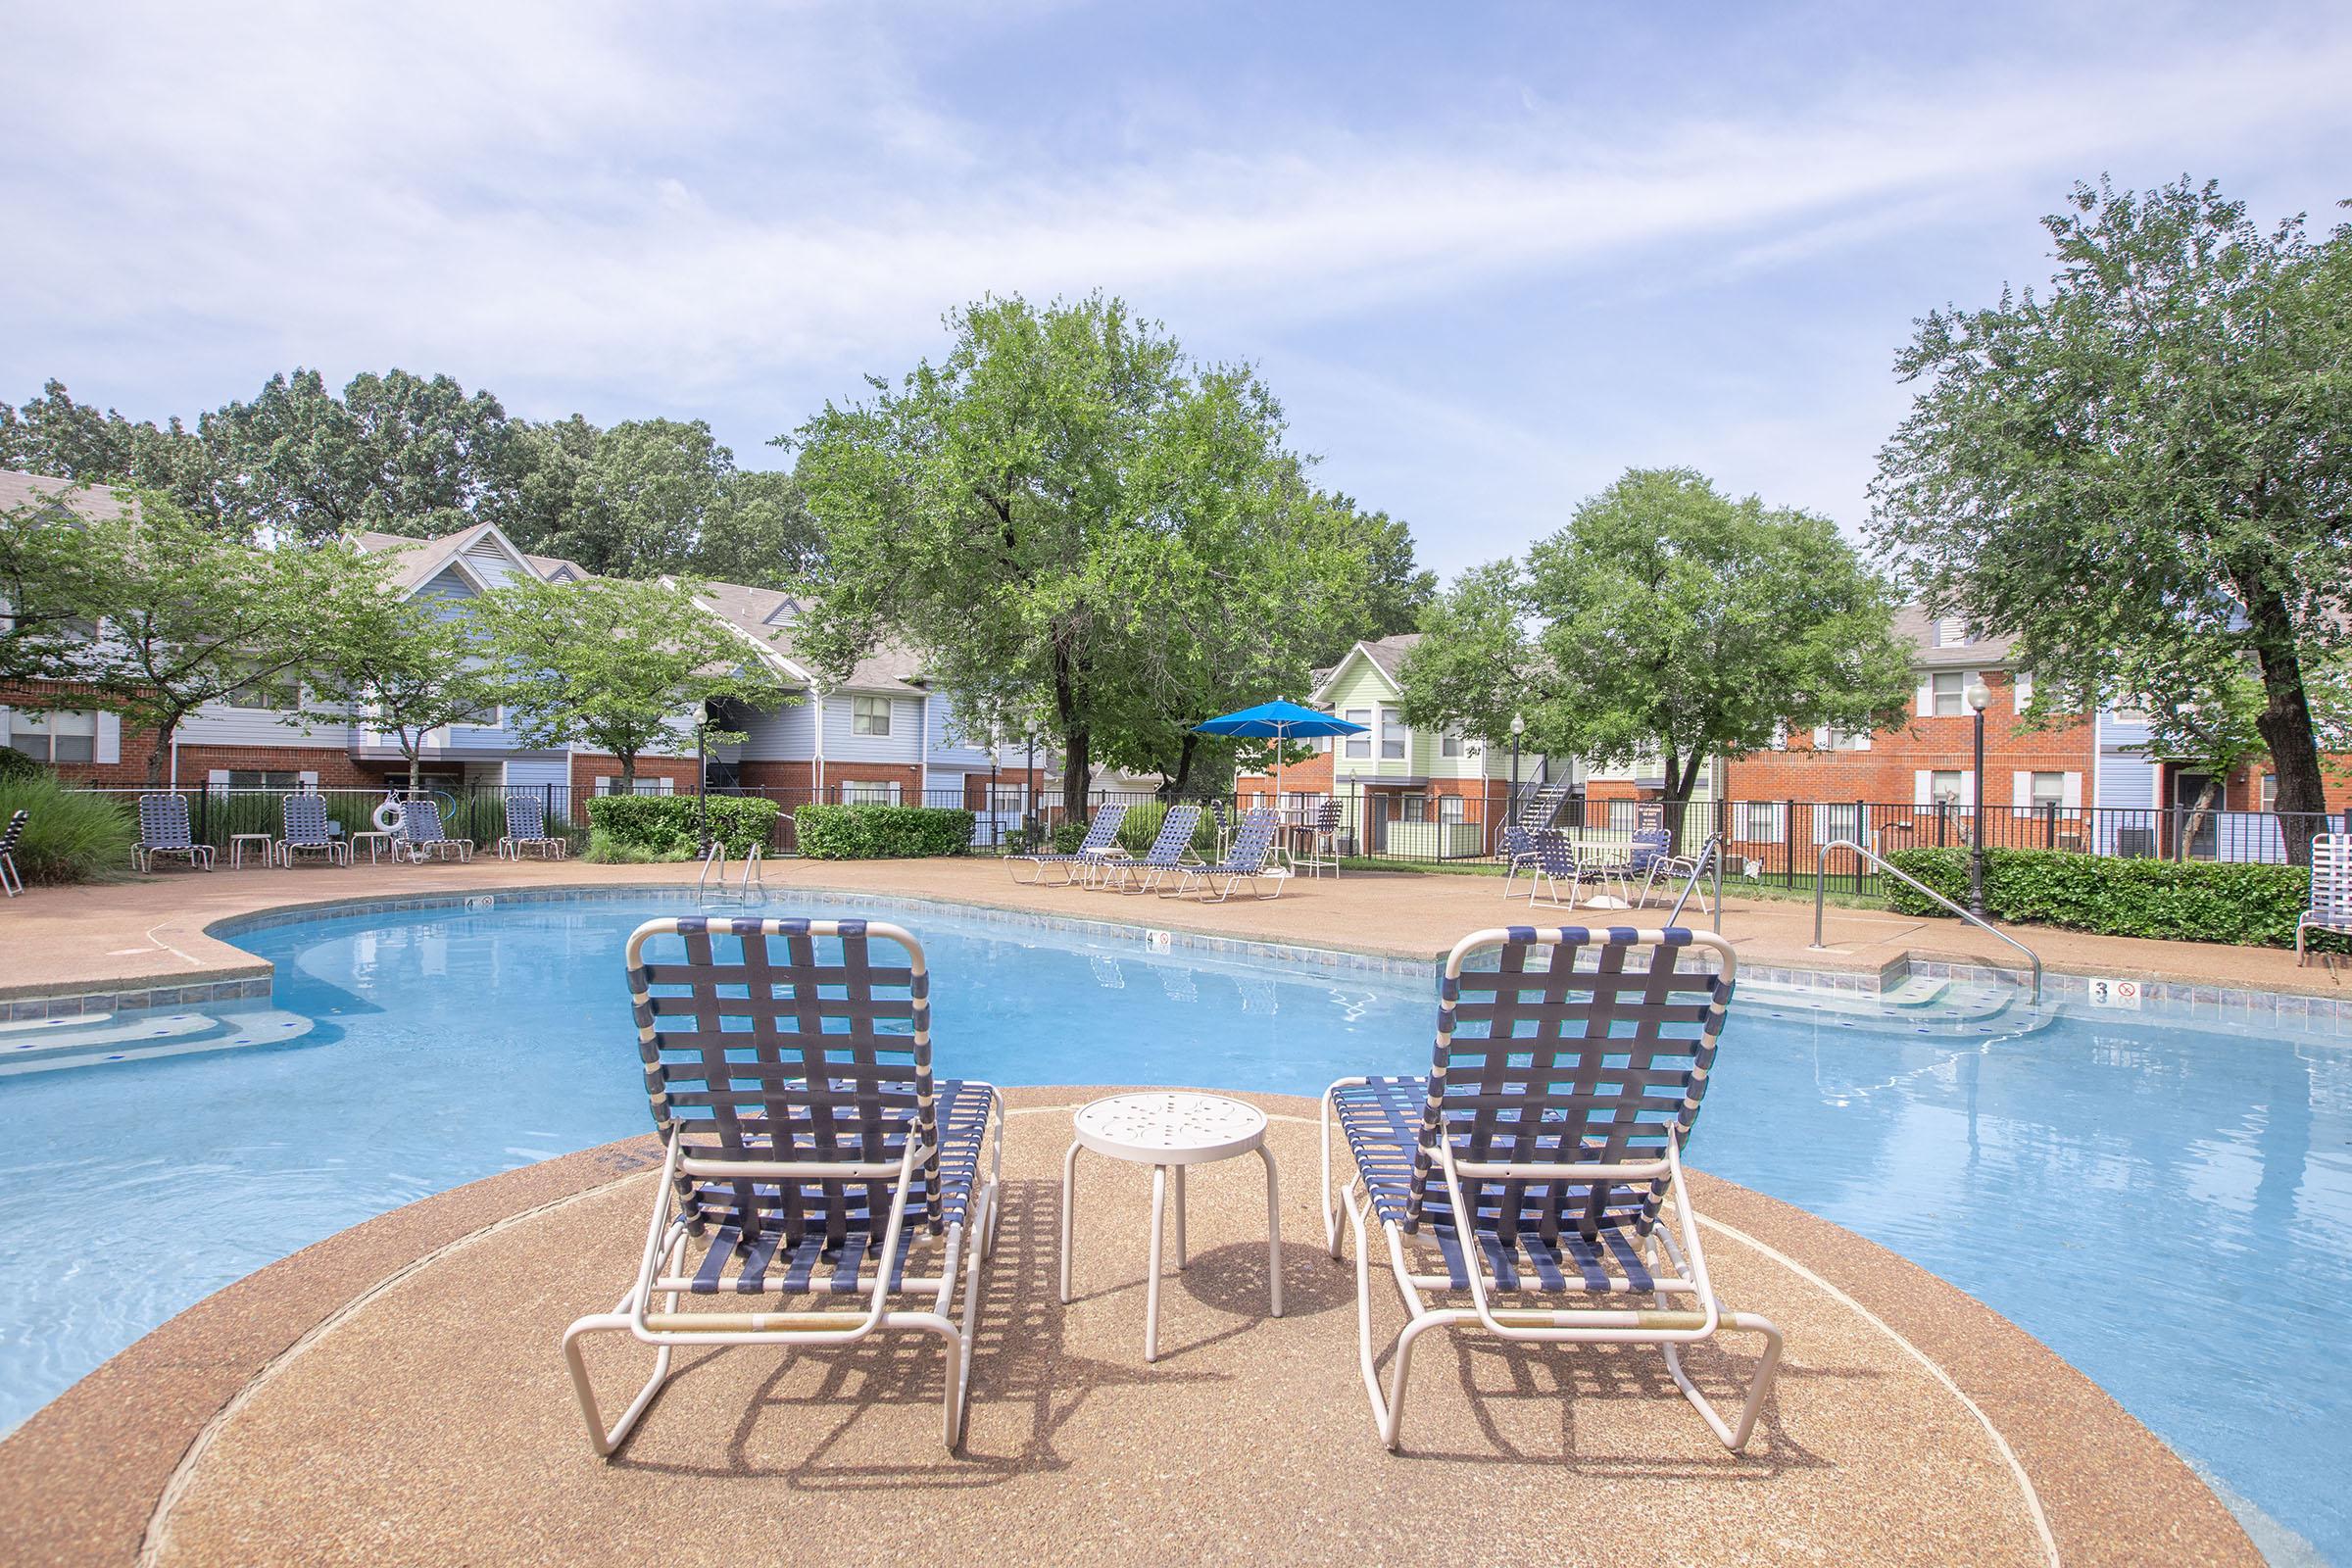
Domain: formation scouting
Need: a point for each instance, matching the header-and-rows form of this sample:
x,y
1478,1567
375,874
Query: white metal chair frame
x,y
143,852
420,849
1553,858
2331,891
1094,851
11,881
663,1264
1126,874
1665,868
336,850
549,847
1246,861
1676,1260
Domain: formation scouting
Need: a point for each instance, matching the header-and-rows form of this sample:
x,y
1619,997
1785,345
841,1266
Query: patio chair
x,y
1538,1154
11,882
807,1149
2331,890
526,829
1656,864
1322,833
1102,835
422,836
164,830
1245,861
1518,852
308,831
1171,851
1554,863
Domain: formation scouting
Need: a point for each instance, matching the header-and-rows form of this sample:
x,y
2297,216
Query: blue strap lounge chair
x,y
1555,868
422,837
1102,836
1540,1155
164,830
14,834
1171,851
807,1149
526,829
2331,890
1245,862
1518,851
306,831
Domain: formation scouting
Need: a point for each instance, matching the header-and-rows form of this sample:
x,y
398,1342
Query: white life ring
x,y
387,816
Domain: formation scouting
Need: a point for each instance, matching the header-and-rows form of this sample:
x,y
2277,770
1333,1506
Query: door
x,y
2188,788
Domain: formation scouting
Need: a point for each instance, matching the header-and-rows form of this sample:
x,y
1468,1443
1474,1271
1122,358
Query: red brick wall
x,y
1886,773
975,786
587,770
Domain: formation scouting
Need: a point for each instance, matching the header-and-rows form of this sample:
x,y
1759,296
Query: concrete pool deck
x,y
151,932
394,1395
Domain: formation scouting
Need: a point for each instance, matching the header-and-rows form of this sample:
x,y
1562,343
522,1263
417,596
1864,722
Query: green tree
x,y
1070,522
2143,472
761,533
405,668
56,436
189,617
395,453
614,664
1665,621
643,498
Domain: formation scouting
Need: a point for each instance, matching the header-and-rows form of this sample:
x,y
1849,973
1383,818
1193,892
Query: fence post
x,y
1788,841
1861,836
204,815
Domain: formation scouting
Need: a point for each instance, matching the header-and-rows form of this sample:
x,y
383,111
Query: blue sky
x,y
1488,254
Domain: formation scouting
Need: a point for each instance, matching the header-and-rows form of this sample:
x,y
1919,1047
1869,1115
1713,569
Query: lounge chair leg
x,y
1273,1229
1758,1385
1069,1194
603,1441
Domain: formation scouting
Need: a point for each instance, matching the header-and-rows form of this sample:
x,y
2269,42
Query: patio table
x,y
1170,1131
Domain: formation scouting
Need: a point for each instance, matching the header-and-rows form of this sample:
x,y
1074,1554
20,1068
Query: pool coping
x,y
2109,1490
2314,1017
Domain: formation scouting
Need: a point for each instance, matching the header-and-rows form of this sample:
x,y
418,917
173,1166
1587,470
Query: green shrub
x,y
605,850
15,766
71,835
2173,901
1068,835
881,832
665,826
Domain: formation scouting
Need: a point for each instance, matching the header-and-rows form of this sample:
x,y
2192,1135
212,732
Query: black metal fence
x,y
1774,842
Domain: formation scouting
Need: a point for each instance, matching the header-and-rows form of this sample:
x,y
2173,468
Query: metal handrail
x,y
715,856
1821,879
1710,859
752,876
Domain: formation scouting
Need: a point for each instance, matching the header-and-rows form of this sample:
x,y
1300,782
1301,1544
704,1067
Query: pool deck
x,y
151,932
393,1393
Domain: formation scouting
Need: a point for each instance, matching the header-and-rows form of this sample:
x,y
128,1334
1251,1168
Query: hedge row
x,y
665,825
881,832
2174,900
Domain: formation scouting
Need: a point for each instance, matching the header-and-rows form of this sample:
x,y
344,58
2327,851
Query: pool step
x,y
8,1032
141,1037
1919,1005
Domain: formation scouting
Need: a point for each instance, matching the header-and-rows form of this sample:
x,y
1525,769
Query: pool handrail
x,y
1821,878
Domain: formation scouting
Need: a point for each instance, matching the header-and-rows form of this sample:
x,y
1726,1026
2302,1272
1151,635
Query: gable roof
x,y
34,489
1386,655
1915,626
765,616
419,562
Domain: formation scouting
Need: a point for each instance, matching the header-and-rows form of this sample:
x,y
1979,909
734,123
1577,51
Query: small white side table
x,y
236,849
371,839
1169,1131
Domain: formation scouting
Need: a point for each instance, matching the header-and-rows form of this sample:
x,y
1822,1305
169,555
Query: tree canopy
x,y
1666,621
613,663
405,666
1075,526
2142,473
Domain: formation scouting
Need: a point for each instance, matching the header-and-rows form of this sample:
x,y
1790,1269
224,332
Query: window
x,y
1008,800
1394,736
275,694
1449,743
870,792
1757,821
56,737
1452,809
2021,690
2048,789
1951,632
610,784
1360,745
1841,821
1944,786
1950,693
253,778
486,718
869,715
1834,739
2270,792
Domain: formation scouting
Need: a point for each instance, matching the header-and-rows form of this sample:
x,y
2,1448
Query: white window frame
x,y
1773,823
1959,778
255,695
1837,820
1393,732
44,726
2033,783
1958,693
1449,743
2020,691
870,792
1359,744
869,715
2267,792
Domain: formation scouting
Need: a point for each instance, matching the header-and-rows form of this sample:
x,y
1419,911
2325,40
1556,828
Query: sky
x,y
1487,256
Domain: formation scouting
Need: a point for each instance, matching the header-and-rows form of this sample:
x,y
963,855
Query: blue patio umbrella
x,y
1279,720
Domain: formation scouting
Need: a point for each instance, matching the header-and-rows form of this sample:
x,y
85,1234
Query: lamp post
x,y
701,782
1979,697
1518,728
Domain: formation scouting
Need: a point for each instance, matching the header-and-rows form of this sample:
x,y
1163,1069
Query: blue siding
x,y
904,743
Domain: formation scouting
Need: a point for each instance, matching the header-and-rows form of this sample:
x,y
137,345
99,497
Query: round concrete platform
x,y
395,1395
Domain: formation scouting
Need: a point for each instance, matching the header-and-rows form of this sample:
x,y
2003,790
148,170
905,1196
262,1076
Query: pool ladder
x,y
711,888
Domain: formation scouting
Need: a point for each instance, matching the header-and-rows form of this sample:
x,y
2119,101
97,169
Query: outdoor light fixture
x,y
1518,728
1979,697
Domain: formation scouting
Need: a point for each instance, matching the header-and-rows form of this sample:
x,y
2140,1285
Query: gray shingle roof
x,y
767,616
30,489
1913,625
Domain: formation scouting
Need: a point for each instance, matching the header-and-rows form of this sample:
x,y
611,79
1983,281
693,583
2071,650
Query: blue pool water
x,y
2170,1209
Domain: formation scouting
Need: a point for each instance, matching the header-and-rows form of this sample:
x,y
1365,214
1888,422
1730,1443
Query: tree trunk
x,y
1173,789
161,752
417,768
2198,814
1077,770
2285,723
628,773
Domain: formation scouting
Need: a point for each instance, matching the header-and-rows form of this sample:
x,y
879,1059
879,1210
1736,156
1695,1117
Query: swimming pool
x,y
2170,1209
